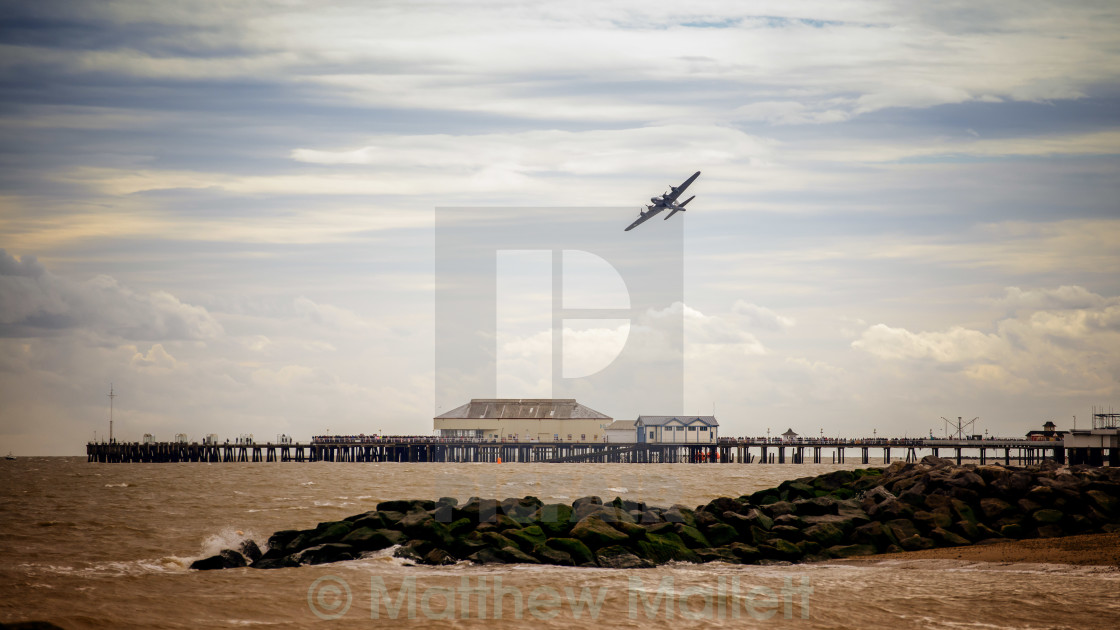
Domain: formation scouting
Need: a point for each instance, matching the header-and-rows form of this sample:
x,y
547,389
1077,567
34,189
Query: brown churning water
x,y
107,545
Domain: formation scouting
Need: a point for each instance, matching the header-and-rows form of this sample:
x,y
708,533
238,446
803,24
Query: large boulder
x,y
595,533
250,550
680,514
743,522
372,520
1042,495
691,536
796,489
963,511
549,555
322,554
994,508
280,539
946,538
661,548
585,506
617,557
395,506
554,518
900,529
515,555
833,480
580,553
789,519
824,534
526,538
330,533
407,505
721,534
775,510
499,522
438,557
1012,530
1047,517
930,520
476,510
496,540
275,563
785,532
389,519
744,552
609,514
636,532
779,549
487,556
936,462
720,505
226,559
1107,503
873,534
366,539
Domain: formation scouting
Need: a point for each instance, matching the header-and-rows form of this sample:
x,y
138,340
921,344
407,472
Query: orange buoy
x,y
499,459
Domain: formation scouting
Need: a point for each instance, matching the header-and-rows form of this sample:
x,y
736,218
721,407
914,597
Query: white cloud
x,y
330,316
1076,297
1067,343
761,317
708,334
953,346
594,152
35,302
156,358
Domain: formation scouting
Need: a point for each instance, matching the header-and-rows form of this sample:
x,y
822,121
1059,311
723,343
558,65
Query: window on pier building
x,y
691,428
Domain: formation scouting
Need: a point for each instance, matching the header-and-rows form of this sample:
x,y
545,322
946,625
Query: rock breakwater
x,y
841,514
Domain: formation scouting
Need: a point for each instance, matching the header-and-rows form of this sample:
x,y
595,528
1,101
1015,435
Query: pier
x,y
725,451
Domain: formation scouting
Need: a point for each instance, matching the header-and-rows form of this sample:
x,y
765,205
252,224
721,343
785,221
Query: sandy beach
x,y
1086,550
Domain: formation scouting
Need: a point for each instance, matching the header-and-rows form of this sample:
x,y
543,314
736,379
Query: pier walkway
x,y
725,451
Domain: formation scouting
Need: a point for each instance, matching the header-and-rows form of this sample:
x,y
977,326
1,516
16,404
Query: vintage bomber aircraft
x,y
668,201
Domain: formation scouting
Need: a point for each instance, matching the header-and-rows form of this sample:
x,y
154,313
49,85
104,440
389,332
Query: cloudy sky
x,y
226,210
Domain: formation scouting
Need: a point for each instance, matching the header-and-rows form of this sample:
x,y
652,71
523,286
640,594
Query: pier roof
x,y
535,408
653,421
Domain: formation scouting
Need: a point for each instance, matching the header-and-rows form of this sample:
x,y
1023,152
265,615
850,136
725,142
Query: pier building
x,y
677,429
525,420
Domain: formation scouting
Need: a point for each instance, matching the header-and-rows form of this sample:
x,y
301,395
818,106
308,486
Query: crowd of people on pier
x,y
396,439
788,441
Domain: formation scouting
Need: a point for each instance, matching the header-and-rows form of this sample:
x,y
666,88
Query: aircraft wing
x,y
645,217
677,190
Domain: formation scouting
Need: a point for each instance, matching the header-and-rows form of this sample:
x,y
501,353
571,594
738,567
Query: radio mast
x,y
111,397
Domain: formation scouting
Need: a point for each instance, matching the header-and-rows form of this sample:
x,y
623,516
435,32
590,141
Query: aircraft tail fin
x,y
680,207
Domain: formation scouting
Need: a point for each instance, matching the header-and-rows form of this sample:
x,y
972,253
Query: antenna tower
x,y
111,397
957,429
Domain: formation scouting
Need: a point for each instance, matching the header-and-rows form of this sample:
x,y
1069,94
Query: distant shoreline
x,y
1083,550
